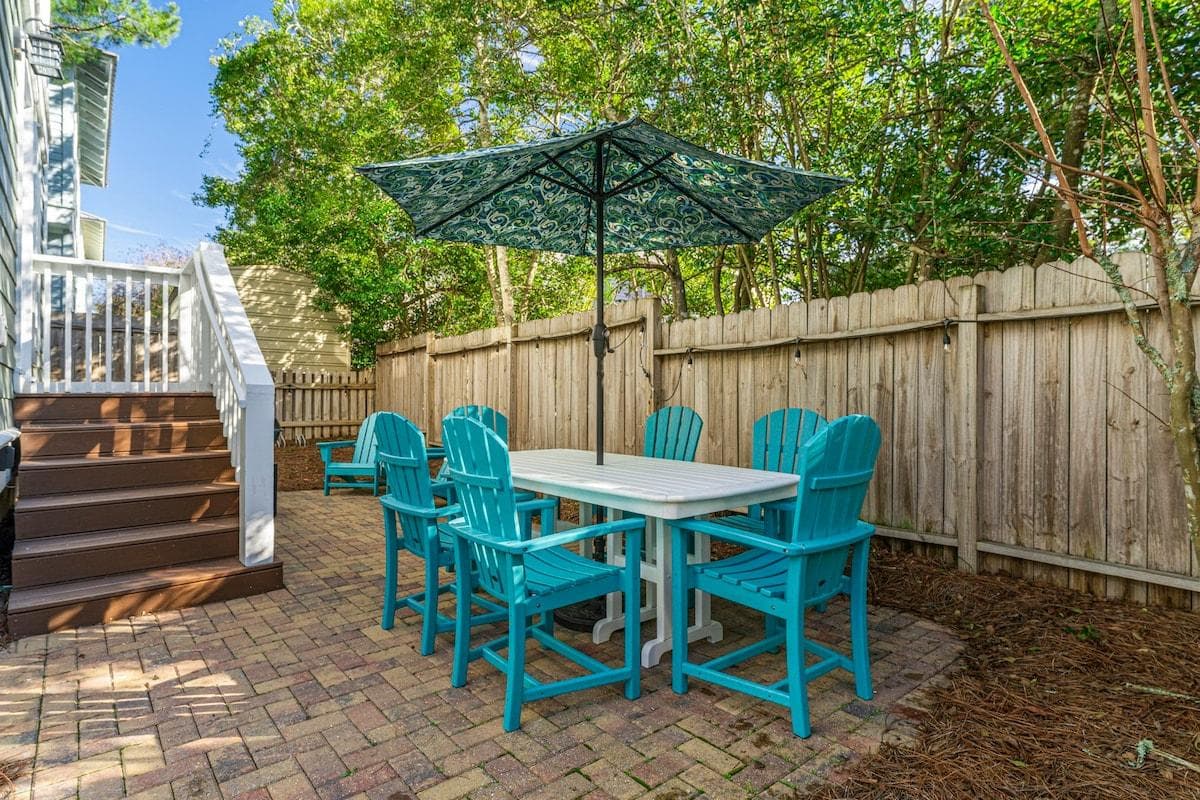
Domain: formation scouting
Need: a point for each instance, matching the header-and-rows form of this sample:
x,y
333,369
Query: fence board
x,y
322,405
1054,407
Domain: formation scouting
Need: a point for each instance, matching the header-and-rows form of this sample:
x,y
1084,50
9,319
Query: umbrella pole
x,y
600,331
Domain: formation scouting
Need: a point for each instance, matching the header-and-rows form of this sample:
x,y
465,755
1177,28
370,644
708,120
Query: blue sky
x,y
164,137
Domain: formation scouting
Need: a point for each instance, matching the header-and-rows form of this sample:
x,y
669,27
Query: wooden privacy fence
x,y
322,405
1033,443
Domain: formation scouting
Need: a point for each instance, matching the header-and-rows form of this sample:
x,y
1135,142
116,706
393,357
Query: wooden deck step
x,y
166,406
107,509
41,440
86,602
56,559
45,476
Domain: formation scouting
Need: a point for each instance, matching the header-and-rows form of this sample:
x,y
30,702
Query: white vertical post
x,y
129,330
187,342
258,471
108,329
165,335
27,138
147,323
89,293
68,304
47,292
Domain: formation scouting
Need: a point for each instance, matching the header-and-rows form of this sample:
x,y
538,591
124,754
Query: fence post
x,y
653,337
431,426
966,412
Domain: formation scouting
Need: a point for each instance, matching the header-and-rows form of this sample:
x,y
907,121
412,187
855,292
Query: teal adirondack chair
x,y
673,432
778,440
362,470
784,577
529,576
410,502
493,420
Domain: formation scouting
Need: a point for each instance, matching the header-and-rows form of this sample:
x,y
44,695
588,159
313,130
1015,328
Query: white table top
x,y
654,487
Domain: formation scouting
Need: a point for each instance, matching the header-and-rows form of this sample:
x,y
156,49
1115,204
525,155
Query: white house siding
x,y
9,178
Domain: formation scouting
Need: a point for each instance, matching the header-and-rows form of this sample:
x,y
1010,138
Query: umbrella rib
x,y
580,186
556,181
628,184
549,157
686,193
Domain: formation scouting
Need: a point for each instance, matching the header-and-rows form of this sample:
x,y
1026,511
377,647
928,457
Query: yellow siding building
x,y
291,332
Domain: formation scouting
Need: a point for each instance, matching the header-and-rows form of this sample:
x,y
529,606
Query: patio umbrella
x,y
613,189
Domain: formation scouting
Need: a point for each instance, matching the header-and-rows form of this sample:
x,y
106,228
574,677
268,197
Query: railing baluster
x,y
165,336
108,329
146,322
68,327
47,325
129,330
89,295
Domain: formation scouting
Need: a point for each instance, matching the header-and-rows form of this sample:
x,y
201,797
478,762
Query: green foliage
x,y
911,101
88,24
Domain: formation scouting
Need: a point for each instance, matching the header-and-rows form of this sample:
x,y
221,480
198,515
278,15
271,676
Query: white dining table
x,y
660,490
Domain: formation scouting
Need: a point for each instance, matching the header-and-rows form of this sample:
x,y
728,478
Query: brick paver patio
x,y
298,694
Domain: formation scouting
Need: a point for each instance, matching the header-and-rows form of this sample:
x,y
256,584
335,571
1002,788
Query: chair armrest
x,y
537,504
326,448
588,532
518,548
424,513
729,534
862,531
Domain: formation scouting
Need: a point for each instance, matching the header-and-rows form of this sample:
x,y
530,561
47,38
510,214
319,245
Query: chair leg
x,y
797,683
860,647
429,623
547,623
327,485
633,624
679,611
514,693
772,628
462,614
389,575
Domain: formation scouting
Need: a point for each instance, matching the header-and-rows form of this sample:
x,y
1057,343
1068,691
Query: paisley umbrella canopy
x,y
616,188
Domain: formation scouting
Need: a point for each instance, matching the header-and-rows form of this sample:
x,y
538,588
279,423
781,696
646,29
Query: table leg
x,y
705,627
614,618
585,518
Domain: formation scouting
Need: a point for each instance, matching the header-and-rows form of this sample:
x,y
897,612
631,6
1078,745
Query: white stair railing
x,y
102,327
220,352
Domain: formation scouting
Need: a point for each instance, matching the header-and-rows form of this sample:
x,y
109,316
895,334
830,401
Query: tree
x,y
89,24
1149,178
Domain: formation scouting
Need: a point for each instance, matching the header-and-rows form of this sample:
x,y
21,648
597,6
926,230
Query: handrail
x,y
239,387
115,266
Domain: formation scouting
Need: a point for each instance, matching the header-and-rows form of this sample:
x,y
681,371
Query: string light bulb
x,y
946,335
689,356
796,356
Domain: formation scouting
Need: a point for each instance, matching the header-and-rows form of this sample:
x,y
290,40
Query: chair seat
x,y
556,569
760,572
349,468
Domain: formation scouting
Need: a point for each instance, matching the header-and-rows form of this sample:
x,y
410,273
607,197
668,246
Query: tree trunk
x,y
718,265
679,302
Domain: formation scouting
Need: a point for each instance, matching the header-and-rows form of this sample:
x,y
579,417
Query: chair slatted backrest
x,y
779,438
836,468
477,461
673,432
489,416
364,444
401,447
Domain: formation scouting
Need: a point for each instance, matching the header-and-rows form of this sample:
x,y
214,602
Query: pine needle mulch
x,y
1056,691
